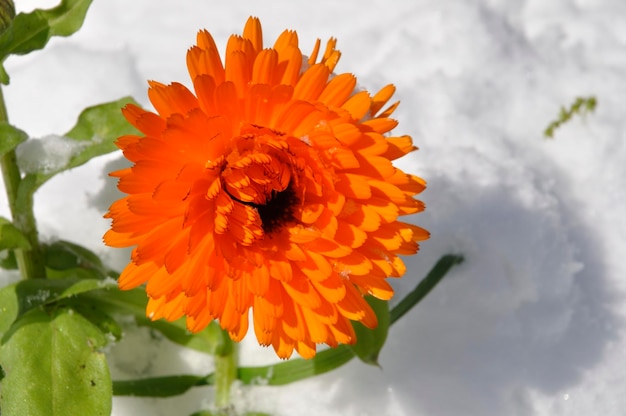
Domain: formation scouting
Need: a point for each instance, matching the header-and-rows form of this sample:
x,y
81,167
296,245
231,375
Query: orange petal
x,y
134,275
338,90
358,105
381,98
170,99
252,31
311,83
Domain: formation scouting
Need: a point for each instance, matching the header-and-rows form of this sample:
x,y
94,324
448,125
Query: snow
x,y
533,322
46,154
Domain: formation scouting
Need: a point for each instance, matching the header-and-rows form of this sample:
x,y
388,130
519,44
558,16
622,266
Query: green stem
x,y
30,262
225,373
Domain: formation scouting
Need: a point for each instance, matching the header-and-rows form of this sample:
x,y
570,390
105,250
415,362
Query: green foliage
x,y
100,319
19,298
581,106
160,386
53,366
11,237
370,341
7,14
94,134
11,137
51,335
133,302
31,31
296,369
65,259
434,276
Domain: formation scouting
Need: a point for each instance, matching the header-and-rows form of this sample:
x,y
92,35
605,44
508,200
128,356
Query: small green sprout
x,y
581,106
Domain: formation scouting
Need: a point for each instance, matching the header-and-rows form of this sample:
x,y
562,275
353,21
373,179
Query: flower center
x,y
260,172
278,209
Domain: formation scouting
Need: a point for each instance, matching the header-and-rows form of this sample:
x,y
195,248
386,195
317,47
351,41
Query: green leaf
x,y
11,237
67,17
31,31
434,276
167,386
369,342
134,302
53,367
4,76
28,32
94,134
74,273
19,298
8,261
64,256
208,340
296,369
7,14
131,302
97,317
102,122
10,137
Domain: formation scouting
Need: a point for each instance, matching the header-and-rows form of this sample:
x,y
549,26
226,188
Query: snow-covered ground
x,y
533,322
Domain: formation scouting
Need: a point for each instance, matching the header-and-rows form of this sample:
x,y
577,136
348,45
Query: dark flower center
x,y
278,209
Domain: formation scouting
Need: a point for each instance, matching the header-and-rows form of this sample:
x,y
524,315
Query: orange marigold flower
x,y
272,189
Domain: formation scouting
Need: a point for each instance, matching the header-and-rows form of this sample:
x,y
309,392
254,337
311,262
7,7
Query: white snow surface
x,y
533,322
46,154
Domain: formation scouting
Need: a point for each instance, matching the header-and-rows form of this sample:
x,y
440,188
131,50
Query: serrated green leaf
x,y
10,137
11,237
167,386
369,342
31,31
53,367
94,133
20,297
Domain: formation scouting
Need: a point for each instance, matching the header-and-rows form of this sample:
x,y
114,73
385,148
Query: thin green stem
x,y
225,373
30,262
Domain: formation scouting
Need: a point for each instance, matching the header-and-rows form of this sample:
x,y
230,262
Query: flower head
x,y
270,190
